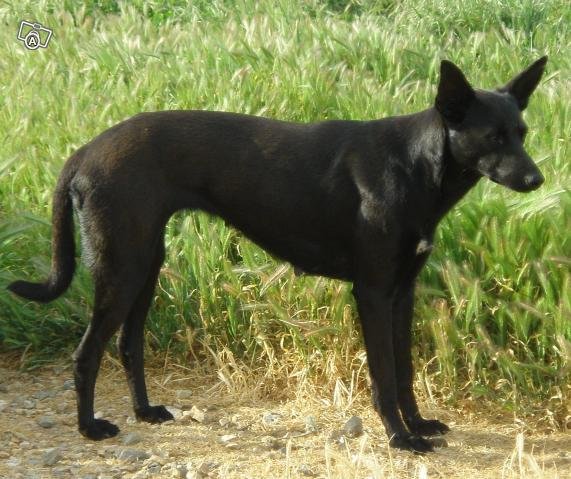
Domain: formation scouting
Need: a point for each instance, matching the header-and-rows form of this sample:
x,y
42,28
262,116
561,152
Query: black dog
x,y
355,200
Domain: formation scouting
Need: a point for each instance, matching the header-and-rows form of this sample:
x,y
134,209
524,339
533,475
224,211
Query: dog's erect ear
x,y
454,93
522,86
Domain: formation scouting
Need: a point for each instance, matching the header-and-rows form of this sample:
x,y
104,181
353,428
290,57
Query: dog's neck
x,y
447,175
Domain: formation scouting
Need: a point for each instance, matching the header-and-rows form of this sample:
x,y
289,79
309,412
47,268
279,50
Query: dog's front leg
x,y
403,306
375,312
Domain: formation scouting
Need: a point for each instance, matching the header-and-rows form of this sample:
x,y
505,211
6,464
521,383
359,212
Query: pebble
x,y
305,470
179,471
132,438
3,405
228,441
154,468
311,424
270,442
271,418
353,427
228,437
337,437
51,456
205,469
46,422
131,455
28,404
40,395
199,415
13,462
69,385
175,411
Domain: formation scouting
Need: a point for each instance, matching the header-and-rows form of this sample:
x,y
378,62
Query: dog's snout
x,y
533,180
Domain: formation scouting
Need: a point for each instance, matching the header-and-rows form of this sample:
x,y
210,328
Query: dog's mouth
x,y
529,183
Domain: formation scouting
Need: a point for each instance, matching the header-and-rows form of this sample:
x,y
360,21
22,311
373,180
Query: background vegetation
x,y
494,301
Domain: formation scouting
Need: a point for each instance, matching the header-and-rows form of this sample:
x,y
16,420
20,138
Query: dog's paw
x,y
154,414
428,427
410,442
99,429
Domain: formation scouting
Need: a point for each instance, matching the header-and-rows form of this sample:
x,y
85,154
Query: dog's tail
x,y
63,245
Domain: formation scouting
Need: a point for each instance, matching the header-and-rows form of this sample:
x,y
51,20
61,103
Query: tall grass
x,y
493,303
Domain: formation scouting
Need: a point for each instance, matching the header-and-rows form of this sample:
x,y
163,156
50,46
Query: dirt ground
x,y
218,434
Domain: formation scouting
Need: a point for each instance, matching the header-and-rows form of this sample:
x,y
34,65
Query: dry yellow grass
x,y
235,398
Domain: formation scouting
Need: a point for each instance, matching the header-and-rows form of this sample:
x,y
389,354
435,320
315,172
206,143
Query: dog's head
x,y
485,128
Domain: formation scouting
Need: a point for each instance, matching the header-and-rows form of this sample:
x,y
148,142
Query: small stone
x,y
3,405
337,437
353,427
183,394
206,468
227,438
46,422
154,468
311,424
132,438
270,442
179,471
271,418
41,395
175,411
228,441
28,404
13,462
224,421
51,456
69,385
305,470
131,455
199,415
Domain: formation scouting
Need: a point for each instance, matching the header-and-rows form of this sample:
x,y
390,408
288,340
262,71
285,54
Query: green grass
x,y
493,303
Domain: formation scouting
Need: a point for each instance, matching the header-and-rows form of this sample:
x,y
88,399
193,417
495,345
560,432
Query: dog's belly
x,y
329,260
316,256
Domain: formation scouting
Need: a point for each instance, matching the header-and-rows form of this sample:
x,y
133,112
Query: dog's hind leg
x,y
119,249
115,293
130,344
